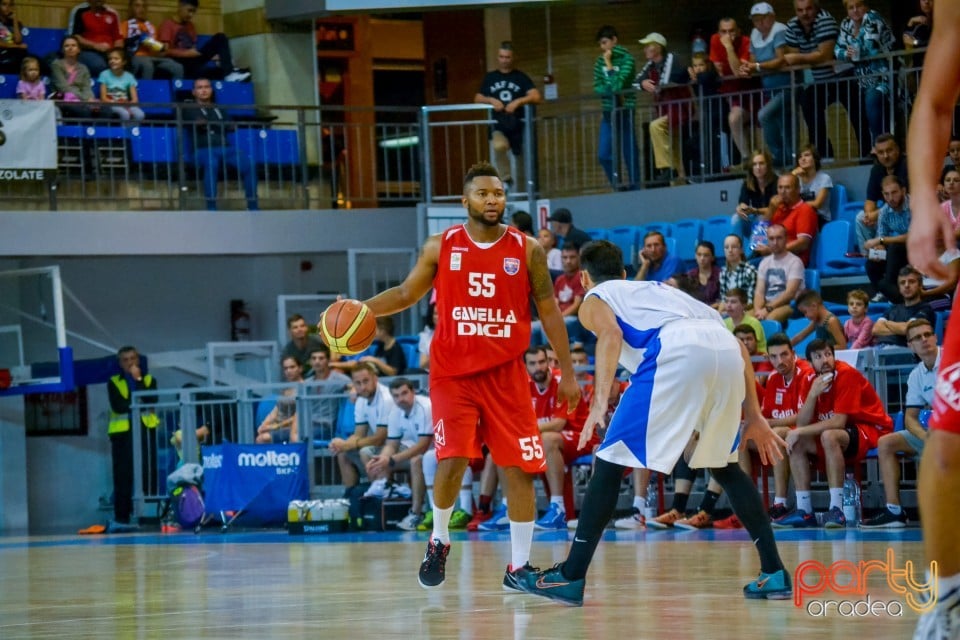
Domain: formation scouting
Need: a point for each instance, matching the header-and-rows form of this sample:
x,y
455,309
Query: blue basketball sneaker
x,y
553,520
770,586
552,584
499,521
834,519
799,519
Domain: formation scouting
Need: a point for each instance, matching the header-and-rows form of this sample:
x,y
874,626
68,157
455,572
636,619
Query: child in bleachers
x,y
859,327
823,324
119,87
30,86
142,44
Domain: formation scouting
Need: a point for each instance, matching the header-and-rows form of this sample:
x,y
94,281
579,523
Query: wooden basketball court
x,y
668,584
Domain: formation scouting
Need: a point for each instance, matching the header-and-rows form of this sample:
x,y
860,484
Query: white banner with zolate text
x,y
28,139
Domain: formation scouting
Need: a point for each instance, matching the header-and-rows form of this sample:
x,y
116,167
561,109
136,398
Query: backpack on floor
x,y
187,504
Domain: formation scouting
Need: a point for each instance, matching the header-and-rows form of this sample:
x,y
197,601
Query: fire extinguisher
x,y
239,321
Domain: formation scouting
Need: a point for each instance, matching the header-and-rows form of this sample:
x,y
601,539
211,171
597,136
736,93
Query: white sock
x,y
639,502
441,524
894,509
803,502
836,497
779,500
521,537
466,499
558,500
430,497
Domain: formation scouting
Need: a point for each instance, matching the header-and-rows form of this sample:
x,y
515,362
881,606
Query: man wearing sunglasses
x,y
920,387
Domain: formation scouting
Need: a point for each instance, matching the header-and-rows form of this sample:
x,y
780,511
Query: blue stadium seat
x,y
794,325
833,243
182,89
687,234
811,279
849,213
628,238
42,42
249,142
943,317
663,227
715,229
8,86
158,91
281,147
411,349
770,327
838,200
156,145
235,93
596,234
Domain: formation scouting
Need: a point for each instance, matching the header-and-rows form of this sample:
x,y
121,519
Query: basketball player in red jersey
x,y
484,273
931,233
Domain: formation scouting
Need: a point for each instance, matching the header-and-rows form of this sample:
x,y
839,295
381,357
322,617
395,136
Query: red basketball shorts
x,y
491,408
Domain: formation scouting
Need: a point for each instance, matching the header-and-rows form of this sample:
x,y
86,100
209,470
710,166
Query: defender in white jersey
x,y
687,373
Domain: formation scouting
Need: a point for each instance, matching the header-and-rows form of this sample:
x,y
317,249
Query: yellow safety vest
x,y
120,422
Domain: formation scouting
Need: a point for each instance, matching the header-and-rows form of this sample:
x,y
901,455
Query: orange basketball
x,y
348,327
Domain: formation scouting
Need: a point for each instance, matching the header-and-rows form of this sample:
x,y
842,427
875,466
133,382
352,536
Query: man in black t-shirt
x,y
890,162
891,329
507,90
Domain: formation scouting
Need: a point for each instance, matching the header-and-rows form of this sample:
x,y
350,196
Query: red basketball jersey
x,y
546,408
782,400
850,394
483,303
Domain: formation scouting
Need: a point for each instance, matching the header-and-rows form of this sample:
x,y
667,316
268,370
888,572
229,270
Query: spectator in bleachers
x,y
811,36
522,221
919,27
939,293
890,162
548,241
71,82
387,356
180,36
118,88
30,86
656,264
951,191
140,37
97,29
920,389
887,253
302,342
706,275
561,223
373,406
781,404
729,50
891,329
865,34
815,185
569,292
768,42
747,334
507,90
12,48
841,419
209,125
779,279
858,328
950,163
797,217
735,304
657,77
281,424
409,437
325,381
426,336
612,74
736,273
758,189
823,324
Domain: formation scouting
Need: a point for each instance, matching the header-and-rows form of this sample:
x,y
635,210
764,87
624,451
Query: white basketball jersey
x,y
643,308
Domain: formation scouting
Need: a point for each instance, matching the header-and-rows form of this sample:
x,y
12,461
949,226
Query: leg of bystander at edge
x,y
939,488
522,508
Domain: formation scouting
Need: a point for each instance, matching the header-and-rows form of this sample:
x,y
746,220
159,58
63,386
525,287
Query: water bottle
x,y
851,500
650,507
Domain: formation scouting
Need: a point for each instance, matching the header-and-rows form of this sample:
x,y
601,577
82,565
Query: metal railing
x,y
337,157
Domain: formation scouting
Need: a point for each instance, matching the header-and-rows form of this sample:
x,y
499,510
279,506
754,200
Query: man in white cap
x,y
768,42
661,70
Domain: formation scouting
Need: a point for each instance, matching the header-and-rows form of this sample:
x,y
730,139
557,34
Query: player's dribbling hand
x,y
595,420
769,445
